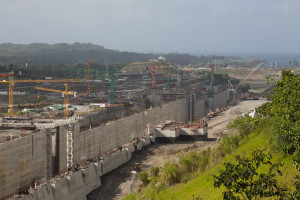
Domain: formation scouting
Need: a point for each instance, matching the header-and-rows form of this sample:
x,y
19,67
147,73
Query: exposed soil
x,y
123,181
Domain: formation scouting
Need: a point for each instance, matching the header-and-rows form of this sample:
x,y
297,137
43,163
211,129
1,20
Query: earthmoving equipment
x,y
12,83
66,96
136,167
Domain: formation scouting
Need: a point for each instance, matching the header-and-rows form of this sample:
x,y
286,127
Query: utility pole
x,y
112,86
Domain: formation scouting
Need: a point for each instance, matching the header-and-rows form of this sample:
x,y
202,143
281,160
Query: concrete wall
x,y
199,109
98,140
24,161
221,99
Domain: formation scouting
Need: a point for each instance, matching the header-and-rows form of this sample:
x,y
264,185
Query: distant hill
x,y
62,53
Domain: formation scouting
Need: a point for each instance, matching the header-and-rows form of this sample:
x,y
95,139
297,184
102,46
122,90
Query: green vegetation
x,y
284,111
243,179
199,183
256,174
45,54
244,124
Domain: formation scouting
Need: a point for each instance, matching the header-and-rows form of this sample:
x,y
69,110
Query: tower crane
x,y
112,86
153,77
88,92
12,83
66,95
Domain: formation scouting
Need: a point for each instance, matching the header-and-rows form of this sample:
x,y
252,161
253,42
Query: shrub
x,y
172,173
185,163
154,171
228,144
144,177
244,124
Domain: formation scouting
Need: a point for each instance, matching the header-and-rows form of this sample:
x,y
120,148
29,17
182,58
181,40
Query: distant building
x,y
160,58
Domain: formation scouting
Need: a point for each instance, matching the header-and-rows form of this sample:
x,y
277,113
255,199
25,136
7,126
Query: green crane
x,y
112,86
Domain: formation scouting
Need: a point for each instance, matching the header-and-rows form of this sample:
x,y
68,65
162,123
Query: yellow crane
x,y
66,95
12,83
88,92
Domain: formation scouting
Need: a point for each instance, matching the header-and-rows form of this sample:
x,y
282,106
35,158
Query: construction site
x,y
58,137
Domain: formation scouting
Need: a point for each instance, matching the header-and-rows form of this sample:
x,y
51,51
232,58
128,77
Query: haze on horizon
x,y
162,26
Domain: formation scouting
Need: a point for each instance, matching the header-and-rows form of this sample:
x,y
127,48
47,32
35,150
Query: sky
x,y
191,26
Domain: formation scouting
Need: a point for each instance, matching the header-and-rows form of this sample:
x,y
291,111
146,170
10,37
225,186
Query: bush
x,y
185,163
154,171
171,173
195,158
144,177
228,144
244,124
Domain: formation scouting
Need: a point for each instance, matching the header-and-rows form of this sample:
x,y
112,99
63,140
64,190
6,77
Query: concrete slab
x,y
42,193
90,178
50,191
76,186
64,189
98,169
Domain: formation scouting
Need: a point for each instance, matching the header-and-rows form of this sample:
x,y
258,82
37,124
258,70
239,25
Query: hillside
x,y
202,185
62,53
240,166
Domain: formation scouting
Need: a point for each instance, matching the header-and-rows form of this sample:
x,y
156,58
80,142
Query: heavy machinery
x,y
12,83
66,96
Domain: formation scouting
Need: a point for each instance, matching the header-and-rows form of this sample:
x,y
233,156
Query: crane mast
x,y
112,86
153,77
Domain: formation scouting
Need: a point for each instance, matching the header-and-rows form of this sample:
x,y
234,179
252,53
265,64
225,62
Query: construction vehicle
x,y
136,167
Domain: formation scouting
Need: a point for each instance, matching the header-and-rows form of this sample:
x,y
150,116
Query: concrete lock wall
x,y
199,109
26,159
93,142
221,99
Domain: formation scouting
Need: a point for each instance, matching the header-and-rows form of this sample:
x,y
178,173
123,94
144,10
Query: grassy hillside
x,y
202,185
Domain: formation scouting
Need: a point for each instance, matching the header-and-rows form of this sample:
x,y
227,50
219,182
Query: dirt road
x,y
123,181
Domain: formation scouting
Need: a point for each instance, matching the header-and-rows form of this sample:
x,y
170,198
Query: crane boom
x,y
66,93
52,90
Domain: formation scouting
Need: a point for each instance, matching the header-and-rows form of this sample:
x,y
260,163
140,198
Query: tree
x,y
285,111
244,124
244,180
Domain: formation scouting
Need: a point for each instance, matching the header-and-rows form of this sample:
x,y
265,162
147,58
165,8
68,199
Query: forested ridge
x,y
63,53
